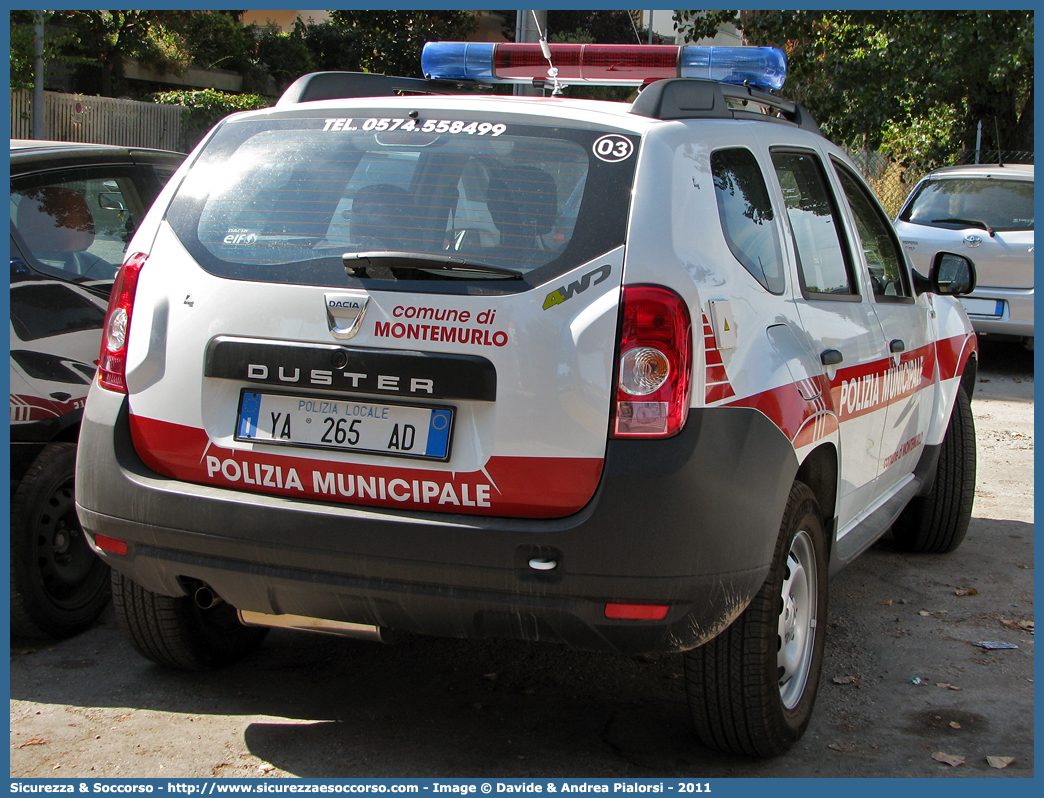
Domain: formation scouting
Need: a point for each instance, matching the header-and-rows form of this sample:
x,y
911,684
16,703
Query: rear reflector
x,y
637,612
110,544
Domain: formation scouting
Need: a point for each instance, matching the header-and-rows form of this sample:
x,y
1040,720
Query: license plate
x,y
983,307
345,425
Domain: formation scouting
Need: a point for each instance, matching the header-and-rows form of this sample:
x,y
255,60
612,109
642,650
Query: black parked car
x,y
73,209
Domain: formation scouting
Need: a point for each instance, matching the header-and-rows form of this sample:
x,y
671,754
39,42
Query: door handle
x,y
897,346
831,357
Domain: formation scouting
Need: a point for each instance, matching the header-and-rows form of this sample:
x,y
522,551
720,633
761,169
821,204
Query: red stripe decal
x,y
716,374
26,407
857,390
954,353
716,380
520,487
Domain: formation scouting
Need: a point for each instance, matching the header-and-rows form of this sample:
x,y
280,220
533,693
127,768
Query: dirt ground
x,y
907,690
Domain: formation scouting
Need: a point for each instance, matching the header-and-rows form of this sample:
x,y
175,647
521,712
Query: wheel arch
x,y
970,375
819,471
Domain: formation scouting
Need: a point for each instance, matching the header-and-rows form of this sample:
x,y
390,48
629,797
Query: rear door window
x,y
76,223
284,200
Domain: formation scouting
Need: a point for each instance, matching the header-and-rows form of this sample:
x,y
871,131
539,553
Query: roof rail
x,y
342,85
694,98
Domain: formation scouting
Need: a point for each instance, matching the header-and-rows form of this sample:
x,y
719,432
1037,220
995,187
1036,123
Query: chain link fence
x,y
892,180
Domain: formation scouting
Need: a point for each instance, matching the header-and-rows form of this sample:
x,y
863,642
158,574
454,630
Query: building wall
x,y
663,24
284,20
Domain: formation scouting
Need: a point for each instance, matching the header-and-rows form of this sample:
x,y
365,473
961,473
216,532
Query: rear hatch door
x,y
365,308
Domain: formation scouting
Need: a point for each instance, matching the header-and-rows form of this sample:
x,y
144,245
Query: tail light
x,y
112,362
655,367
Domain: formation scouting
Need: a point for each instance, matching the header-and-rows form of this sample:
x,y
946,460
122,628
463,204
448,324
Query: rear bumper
x,y
1017,315
690,522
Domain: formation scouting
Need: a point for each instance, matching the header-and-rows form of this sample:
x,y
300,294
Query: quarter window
x,y
746,215
824,269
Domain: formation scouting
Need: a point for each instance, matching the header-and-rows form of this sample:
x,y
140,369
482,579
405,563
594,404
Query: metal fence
x,y
98,120
892,181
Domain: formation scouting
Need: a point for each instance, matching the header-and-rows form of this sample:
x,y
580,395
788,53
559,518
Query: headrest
x,y
380,214
523,201
55,219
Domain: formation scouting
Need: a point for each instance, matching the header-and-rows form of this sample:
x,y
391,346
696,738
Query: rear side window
x,y
283,200
746,215
1002,204
823,266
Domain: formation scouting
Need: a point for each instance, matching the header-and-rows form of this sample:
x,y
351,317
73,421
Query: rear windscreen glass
x,y
284,200
953,202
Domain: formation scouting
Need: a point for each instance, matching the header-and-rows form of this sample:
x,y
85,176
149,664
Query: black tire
x,y
59,586
742,700
937,522
175,632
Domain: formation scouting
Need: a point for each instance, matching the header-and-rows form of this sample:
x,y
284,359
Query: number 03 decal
x,y
613,148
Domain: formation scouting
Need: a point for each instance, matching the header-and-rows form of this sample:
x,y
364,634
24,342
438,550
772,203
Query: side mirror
x,y
951,274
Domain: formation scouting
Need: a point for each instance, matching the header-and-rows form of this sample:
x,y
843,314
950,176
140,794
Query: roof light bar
x,y
603,64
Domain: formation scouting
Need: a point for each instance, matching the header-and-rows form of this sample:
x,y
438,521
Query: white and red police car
x,y
633,378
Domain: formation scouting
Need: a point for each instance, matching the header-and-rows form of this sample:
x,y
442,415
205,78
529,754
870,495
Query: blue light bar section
x,y
458,60
764,67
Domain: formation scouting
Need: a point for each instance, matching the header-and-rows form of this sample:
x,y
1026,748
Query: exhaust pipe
x,y
303,623
206,598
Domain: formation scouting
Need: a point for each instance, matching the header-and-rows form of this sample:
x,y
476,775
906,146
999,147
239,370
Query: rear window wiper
x,y
382,264
968,222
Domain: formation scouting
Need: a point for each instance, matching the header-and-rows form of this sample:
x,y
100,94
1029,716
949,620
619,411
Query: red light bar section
x,y
588,63
637,612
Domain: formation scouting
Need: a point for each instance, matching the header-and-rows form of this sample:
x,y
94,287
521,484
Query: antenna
x,y
552,72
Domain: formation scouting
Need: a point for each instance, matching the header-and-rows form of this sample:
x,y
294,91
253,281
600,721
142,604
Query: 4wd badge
x,y
560,295
344,314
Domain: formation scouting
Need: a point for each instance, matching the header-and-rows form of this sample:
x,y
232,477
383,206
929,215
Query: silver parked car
x,y
987,210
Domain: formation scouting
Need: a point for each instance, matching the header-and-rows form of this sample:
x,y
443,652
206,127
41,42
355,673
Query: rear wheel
x,y
175,632
937,523
58,585
751,689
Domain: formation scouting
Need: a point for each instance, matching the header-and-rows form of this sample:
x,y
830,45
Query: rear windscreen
x,y
953,202
291,199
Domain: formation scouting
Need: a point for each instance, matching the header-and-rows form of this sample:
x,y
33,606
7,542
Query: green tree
x,y
108,37
391,41
891,78
58,40
334,47
217,40
285,56
602,27
204,108
696,25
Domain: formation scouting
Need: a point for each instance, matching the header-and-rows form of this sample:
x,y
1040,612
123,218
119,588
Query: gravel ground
x,y
316,706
